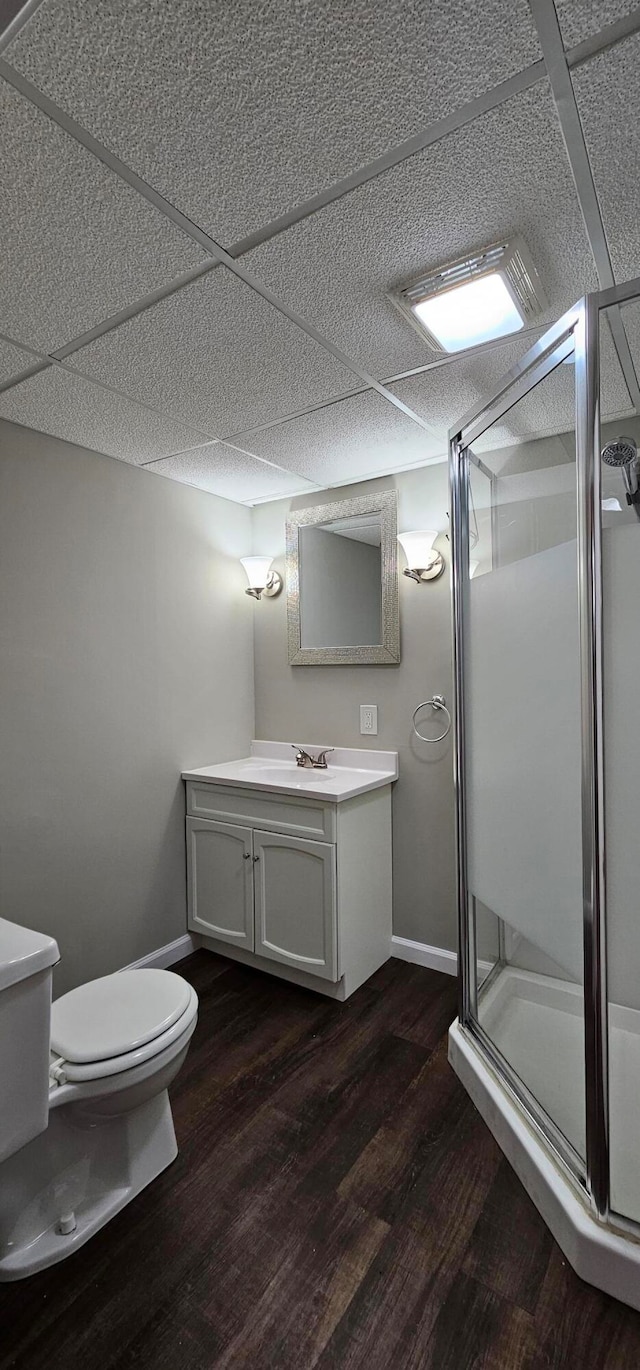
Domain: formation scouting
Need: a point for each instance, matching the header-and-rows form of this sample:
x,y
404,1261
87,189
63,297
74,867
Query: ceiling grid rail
x,y
18,22
436,365
198,235
555,63
234,437
163,292
555,58
439,129
434,133
605,38
464,114
20,376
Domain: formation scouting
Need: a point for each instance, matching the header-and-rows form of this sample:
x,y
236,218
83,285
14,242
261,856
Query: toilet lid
x,y
116,1014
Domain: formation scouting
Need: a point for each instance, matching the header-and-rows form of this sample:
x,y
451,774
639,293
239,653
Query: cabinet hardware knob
x,y
256,858
246,856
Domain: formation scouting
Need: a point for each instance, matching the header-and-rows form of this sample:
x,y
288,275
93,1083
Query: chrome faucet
x,y
318,763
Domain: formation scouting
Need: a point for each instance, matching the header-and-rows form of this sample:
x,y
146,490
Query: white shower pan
x,y
537,1023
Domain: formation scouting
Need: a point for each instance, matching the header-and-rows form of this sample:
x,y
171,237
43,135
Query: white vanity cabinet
x,y
296,886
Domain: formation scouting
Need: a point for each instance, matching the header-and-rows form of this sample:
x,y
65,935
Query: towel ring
x,y
438,702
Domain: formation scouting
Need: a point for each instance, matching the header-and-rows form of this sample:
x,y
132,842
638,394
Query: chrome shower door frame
x,y
577,330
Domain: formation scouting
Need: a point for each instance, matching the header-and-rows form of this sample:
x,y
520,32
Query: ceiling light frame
x,y
511,261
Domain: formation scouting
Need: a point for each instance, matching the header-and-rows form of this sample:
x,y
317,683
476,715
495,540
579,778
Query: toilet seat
x,y
113,1024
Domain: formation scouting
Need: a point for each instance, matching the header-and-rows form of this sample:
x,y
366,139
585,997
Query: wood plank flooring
x,y
337,1202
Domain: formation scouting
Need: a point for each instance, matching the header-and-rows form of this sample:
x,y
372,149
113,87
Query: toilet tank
x,y
26,967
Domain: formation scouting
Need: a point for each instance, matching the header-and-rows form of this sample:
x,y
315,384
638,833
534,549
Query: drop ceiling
x,y
205,209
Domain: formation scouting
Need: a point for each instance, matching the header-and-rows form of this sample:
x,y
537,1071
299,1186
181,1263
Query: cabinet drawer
x,y
290,814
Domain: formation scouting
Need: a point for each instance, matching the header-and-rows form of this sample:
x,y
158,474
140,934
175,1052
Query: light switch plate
x,y
369,719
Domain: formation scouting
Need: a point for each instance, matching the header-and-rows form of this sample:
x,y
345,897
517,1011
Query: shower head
x,y
621,452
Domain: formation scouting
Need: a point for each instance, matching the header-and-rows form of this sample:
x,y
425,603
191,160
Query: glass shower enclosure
x,y
546,565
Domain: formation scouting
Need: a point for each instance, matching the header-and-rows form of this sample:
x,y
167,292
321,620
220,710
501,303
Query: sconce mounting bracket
x,y
271,589
431,572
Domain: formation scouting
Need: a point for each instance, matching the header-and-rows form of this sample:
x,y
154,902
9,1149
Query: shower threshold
x,y
536,1022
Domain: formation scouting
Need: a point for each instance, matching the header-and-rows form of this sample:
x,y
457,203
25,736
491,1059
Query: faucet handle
x,y
321,759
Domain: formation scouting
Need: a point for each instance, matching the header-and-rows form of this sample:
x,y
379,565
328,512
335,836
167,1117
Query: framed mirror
x,y
342,583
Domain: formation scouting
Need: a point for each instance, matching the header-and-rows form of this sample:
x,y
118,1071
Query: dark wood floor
x,y
337,1201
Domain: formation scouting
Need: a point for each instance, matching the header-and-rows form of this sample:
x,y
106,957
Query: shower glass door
x,y
519,742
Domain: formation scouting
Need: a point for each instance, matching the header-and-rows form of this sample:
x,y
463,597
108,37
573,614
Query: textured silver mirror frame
x,y
388,651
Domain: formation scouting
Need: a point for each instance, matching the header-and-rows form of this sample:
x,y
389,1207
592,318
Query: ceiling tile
x,y
614,396
233,474
219,355
13,360
451,392
492,179
286,98
580,19
57,402
444,395
77,243
545,411
549,409
355,438
608,94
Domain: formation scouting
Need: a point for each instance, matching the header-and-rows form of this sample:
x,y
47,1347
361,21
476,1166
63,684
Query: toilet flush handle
x,y
57,1073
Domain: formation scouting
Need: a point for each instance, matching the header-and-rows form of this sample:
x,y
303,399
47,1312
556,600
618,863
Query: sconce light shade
x,y
423,563
473,566
262,580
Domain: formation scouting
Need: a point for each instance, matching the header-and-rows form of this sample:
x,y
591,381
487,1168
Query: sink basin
x,y
288,775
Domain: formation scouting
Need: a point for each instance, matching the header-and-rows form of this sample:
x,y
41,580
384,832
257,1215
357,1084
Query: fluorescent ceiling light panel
x,y
471,314
490,295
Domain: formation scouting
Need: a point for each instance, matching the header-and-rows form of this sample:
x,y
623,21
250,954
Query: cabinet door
x,y
220,881
295,894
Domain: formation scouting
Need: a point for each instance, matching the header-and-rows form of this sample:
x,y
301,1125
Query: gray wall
x,y
321,704
126,648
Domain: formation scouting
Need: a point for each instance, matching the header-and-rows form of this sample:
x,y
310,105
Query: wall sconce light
x,y
473,566
423,563
262,580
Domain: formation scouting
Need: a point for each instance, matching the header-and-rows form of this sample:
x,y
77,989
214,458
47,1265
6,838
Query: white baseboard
x,y
434,958
168,955
403,948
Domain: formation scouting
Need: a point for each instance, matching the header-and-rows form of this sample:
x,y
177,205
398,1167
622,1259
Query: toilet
x,y
85,1118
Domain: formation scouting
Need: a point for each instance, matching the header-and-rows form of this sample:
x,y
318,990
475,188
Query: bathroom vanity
x,y
289,869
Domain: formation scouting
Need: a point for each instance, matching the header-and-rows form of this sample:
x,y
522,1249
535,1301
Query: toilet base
x,y
78,1170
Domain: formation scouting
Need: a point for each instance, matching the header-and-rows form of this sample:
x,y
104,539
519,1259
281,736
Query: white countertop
x,y
271,766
